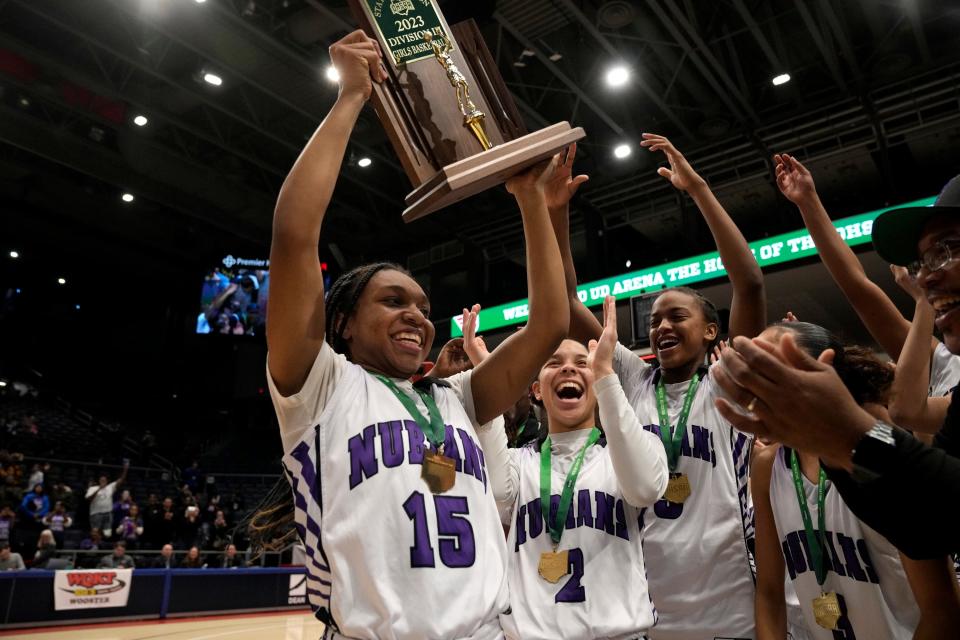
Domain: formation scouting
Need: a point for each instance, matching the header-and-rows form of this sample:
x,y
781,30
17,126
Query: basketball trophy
x,y
445,108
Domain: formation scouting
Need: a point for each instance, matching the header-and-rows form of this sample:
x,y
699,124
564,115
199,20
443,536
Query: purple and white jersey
x,y
386,558
604,594
864,570
944,372
697,560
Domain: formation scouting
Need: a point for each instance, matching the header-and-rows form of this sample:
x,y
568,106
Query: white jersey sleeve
x,y
630,368
944,372
502,464
302,410
638,457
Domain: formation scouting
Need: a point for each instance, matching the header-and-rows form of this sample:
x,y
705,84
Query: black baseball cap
x,y
897,232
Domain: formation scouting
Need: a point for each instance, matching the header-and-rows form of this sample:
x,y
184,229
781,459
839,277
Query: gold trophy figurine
x,y
472,117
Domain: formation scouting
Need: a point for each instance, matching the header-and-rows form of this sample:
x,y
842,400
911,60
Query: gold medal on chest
x,y
553,565
678,488
826,610
438,471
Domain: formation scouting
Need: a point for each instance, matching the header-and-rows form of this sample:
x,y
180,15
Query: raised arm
x,y
295,331
771,603
500,379
559,190
877,312
123,474
910,405
748,309
638,458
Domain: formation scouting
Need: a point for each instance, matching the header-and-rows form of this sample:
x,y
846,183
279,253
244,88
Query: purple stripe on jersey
x,y
302,455
323,596
312,526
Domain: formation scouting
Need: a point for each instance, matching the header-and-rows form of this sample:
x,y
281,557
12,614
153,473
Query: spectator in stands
x,y
192,476
130,529
10,465
212,508
230,558
220,532
35,505
46,550
61,492
7,519
152,517
100,496
10,561
148,444
119,558
122,507
167,529
165,560
193,560
37,474
10,492
188,530
92,542
57,521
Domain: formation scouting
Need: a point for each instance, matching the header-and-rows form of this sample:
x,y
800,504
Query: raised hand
x,y
535,179
357,59
561,187
790,317
451,360
600,358
907,282
793,179
473,345
680,174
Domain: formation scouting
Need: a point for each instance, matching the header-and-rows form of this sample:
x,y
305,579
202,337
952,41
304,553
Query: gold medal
x,y
438,471
678,488
826,610
553,565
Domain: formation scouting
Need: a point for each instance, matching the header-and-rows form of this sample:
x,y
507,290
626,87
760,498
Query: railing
x,y
144,559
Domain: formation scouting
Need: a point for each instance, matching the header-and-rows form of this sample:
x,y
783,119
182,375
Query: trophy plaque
x,y
445,108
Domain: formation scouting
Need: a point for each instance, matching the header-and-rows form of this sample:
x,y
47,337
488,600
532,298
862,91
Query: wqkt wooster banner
x,y
91,589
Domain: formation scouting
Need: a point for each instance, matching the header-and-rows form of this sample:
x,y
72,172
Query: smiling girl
x,y
695,538
388,481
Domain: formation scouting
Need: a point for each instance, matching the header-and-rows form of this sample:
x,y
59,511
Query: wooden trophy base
x,y
488,169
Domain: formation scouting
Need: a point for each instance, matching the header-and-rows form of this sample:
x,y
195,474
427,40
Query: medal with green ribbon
x,y
826,607
438,471
553,565
678,487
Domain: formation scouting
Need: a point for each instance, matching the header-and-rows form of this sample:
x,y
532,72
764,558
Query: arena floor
x,y
266,626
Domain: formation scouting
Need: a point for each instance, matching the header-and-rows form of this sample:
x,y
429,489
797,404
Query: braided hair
x,y
865,376
343,297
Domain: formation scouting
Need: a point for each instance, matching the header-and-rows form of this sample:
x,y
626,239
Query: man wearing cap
x,y
874,465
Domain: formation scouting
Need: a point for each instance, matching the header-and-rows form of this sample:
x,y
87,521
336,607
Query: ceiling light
x,y
783,78
127,197
14,254
212,78
140,121
556,57
332,74
364,162
629,262
617,76
24,102
520,65
3,383
528,53
622,151
61,281
200,1
77,307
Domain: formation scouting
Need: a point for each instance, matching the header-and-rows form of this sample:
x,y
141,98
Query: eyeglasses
x,y
936,257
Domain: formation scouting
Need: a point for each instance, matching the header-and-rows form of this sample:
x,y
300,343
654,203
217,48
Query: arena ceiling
x,y
873,104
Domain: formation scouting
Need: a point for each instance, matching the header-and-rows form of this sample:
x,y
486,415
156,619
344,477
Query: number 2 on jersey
x,y
456,541
573,591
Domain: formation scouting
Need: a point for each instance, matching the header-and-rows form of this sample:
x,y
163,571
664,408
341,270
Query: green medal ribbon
x,y
672,445
566,497
815,539
432,427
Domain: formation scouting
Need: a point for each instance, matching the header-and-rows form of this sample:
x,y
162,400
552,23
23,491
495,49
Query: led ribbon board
x,y
787,247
